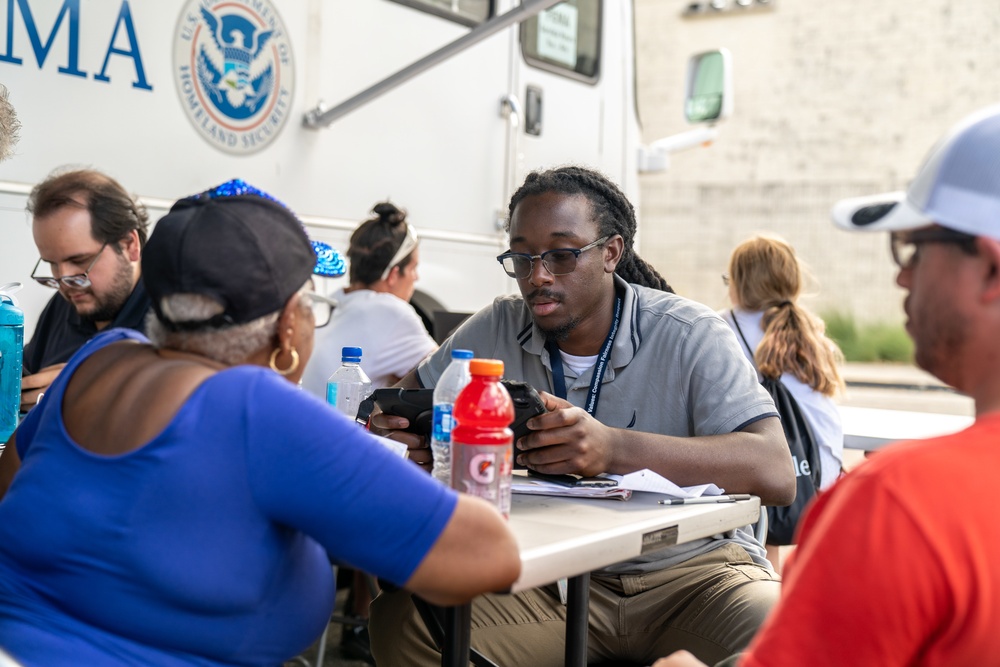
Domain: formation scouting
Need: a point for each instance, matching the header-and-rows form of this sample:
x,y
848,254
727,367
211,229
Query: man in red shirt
x,y
896,564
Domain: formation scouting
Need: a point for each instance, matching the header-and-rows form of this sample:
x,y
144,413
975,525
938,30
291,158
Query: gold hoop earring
x,y
284,371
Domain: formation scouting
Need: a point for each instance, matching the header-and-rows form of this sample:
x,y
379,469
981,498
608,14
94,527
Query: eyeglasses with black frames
x,y
322,308
557,262
905,246
78,281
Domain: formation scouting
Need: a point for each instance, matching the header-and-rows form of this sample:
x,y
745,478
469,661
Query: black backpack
x,y
781,521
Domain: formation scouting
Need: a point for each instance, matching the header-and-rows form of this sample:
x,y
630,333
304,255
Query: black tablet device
x,y
417,405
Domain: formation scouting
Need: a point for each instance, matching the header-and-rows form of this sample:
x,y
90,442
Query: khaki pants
x,y
710,605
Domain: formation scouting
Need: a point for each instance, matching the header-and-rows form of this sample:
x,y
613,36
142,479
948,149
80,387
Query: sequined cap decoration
x,y
329,263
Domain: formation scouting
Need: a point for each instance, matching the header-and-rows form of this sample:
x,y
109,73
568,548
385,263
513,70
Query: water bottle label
x,y
443,423
331,393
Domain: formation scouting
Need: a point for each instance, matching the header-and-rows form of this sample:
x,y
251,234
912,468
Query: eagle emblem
x,y
230,66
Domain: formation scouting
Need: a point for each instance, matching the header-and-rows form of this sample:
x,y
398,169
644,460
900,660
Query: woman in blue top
x,y
176,501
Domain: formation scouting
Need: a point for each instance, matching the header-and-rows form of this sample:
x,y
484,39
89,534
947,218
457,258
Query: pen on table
x,y
701,500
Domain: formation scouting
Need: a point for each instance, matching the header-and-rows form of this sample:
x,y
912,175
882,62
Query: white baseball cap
x,y
958,186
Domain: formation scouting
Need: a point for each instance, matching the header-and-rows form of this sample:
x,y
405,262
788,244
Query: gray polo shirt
x,y
676,369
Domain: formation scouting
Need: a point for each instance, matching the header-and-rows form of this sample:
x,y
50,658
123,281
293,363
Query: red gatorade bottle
x,y
482,442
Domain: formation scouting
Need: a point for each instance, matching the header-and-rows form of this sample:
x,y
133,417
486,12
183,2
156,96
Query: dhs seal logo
x,y
234,72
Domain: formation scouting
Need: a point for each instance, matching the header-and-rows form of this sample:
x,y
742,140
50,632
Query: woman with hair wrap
x,y
179,495
373,312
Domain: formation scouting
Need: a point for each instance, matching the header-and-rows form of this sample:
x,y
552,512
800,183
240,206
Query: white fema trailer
x,y
442,106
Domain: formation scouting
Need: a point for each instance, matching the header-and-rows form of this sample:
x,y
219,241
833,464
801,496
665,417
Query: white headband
x,y
405,248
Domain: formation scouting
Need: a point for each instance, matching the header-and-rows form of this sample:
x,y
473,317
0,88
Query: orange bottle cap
x,y
486,367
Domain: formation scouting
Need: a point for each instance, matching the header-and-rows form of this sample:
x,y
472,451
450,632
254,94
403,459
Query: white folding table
x,y
870,429
570,537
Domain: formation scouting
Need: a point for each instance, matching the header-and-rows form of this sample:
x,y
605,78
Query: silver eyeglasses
x,y
78,281
322,307
558,262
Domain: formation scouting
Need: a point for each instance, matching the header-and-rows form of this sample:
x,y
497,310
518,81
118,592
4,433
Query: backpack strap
x,y
742,337
736,323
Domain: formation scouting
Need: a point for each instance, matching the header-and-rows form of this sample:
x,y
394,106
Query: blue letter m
x,y
72,7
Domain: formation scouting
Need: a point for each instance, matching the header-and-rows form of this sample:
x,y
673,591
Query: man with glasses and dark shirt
x,y
89,232
634,377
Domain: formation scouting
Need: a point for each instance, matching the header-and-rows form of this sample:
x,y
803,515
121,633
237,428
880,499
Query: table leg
x,y
577,620
458,636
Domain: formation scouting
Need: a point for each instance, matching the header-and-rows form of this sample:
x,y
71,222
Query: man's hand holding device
x,y
405,416
565,440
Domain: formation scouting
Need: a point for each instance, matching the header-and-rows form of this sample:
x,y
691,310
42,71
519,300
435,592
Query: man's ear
x,y
131,247
989,250
614,248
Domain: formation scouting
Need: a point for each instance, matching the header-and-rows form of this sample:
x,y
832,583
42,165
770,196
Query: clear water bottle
x,y
482,442
11,357
451,383
349,385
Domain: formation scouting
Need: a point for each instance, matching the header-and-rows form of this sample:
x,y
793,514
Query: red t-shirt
x,y
898,563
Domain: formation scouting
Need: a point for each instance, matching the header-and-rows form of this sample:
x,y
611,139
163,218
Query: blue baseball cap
x,y
958,186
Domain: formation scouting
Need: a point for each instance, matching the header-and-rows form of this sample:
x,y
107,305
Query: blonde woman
x,y
789,343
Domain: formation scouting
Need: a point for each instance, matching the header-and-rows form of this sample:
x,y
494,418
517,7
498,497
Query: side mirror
x,y
709,88
708,99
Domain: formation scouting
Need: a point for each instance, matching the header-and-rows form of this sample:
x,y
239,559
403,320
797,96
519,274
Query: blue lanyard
x,y
555,359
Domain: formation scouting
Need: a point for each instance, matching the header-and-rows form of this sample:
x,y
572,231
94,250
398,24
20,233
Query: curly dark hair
x,y
374,243
612,210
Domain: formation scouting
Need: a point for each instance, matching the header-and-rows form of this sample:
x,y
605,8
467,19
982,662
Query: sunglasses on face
x,y
905,246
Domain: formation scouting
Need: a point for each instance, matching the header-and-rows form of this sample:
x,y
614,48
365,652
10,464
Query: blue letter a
x,y
125,18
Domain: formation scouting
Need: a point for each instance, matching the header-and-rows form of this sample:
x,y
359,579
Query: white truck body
x,y
113,84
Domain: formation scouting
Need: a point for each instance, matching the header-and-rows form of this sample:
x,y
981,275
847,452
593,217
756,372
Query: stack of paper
x,y
619,486
543,487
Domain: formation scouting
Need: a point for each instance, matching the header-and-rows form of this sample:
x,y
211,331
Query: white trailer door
x,y
567,83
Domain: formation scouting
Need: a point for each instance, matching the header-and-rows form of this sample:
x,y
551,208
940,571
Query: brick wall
x,y
832,99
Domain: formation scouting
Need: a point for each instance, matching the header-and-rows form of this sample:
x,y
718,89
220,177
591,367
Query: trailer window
x,y
566,38
467,12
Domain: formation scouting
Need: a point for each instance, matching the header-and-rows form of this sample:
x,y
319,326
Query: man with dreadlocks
x,y
637,377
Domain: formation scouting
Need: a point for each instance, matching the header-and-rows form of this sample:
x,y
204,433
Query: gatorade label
x,y
484,471
483,468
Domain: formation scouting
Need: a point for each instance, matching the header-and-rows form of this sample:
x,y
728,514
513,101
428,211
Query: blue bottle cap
x,y
462,354
10,315
350,354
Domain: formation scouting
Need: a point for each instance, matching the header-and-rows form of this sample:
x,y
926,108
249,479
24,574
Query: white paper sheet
x,y
640,480
647,480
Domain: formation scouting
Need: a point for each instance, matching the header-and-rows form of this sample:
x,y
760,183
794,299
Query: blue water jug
x,y
11,357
